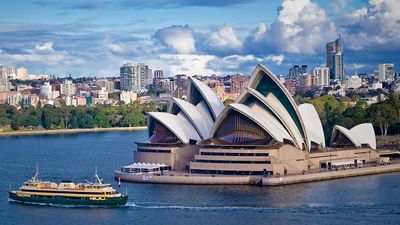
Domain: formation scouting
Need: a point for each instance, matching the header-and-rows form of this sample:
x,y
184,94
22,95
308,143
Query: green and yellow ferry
x,y
68,193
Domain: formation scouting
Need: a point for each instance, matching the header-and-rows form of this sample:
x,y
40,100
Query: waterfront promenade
x,y
309,176
68,131
329,175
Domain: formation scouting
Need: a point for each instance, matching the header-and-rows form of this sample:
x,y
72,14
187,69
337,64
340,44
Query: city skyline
x,y
96,37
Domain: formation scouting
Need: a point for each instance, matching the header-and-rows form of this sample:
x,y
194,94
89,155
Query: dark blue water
x,y
363,200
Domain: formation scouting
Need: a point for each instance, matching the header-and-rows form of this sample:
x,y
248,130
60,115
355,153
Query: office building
x,y
352,81
322,76
334,59
238,83
135,77
107,84
158,74
386,72
22,73
4,82
296,71
128,97
67,88
10,71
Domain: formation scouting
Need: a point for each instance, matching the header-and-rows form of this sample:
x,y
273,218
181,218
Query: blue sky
x,y
94,38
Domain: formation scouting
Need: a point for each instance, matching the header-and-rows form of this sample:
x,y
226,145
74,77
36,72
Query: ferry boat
x,y
68,193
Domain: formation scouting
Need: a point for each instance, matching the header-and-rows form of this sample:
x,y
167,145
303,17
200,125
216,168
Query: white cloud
x,y
375,27
224,39
339,5
235,63
301,27
42,53
232,62
189,64
179,38
355,66
48,46
113,46
278,59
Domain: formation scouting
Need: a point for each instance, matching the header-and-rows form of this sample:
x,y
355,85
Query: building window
x,y
162,135
239,130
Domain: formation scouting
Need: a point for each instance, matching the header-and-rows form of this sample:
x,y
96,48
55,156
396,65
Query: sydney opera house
x,y
263,133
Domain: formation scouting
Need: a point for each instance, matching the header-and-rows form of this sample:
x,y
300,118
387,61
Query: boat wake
x,y
205,208
166,206
159,205
259,208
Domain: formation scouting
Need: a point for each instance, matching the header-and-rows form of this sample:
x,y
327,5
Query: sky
x,y
95,37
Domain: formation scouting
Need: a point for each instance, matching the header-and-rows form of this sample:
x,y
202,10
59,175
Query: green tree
x,y
16,121
3,116
383,115
50,117
228,101
357,114
86,121
101,119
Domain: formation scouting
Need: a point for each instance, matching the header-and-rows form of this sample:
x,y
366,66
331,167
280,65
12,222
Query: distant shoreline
x,y
68,131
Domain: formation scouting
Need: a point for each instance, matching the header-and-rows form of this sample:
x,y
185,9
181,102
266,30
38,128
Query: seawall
x,y
69,131
186,179
295,179
197,179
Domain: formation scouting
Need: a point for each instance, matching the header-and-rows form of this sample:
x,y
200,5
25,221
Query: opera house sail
x,y
264,132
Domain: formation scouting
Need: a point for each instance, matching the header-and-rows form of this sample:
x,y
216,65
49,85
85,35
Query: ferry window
x,y
231,154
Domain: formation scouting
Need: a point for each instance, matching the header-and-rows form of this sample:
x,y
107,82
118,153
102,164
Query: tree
x,y
86,121
3,116
228,101
357,114
308,94
383,115
16,121
101,120
346,122
50,117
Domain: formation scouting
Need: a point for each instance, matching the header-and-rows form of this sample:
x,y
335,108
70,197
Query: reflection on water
x,y
365,200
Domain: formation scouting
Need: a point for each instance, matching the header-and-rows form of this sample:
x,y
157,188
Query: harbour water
x,y
361,200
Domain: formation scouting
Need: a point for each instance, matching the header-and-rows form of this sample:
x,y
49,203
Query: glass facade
x,y
162,135
240,130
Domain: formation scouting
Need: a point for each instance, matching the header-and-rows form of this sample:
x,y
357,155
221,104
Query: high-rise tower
x,y
334,58
135,77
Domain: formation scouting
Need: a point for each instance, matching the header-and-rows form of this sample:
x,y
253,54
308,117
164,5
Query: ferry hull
x,y
60,200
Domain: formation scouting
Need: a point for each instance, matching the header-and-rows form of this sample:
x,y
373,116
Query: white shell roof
x,y
361,134
203,110
209,96
255,78
276,132
269,118
181,127
365,134
197,119
313,124
273,104
276,106
349,134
